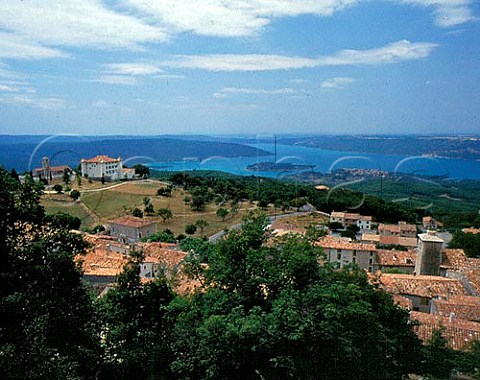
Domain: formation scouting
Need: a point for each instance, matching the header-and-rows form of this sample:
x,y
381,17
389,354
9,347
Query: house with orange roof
x,y
403,261
344,252
401,229
463,307
131,228
102,166
459,333
421,289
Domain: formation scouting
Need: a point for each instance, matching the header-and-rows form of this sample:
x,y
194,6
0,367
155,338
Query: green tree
x,y
348,233
63,220
74,194
335,226
271,311
148,206
137,212
78,178
165,214
201,224
165,191
66,175
438,356
470,243
58,188
222,213
198,202
14,175
190,229
46,315
142,170
165,236
136,327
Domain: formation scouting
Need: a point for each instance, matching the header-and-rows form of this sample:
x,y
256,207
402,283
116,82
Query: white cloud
x,y
100,104
234,62
298,81
336,83
447,13
117,79
20,48
37,25
138,68
224,92
231,18
51,103
395,52
169,76
5,88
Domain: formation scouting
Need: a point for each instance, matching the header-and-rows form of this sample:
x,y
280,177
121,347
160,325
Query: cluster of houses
x,y
440,287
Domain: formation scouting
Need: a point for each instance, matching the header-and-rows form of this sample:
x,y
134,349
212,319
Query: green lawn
x,y
54,206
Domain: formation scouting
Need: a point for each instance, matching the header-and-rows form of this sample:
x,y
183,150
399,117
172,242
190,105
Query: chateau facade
x,y
111,169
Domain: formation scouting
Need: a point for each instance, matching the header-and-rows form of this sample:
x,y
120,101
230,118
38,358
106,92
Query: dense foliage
x,y
265,310
470,243
47,327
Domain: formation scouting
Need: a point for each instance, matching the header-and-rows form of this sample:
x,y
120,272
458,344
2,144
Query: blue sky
x,y
239,66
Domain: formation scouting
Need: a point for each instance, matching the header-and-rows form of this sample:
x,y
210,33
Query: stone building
x,y
130,228
429,254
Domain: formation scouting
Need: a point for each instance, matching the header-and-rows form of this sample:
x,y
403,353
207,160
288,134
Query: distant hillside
x,y
461,147
18,151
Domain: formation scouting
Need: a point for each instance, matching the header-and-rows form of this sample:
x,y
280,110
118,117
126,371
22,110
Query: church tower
x,y
46,172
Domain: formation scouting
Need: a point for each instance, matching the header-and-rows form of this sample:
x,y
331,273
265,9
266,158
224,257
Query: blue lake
x,y
326,161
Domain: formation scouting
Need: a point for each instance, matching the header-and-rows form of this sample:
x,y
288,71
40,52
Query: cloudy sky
x,y
239,66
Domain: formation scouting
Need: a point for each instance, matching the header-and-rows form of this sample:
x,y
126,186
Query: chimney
x,y
451,318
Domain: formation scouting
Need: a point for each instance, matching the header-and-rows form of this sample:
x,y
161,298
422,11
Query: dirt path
x,y
92,215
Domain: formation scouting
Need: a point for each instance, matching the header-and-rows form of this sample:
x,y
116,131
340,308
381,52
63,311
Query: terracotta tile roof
x,y
365,218
398,240
322,187
133,221
402,301
401,227
335,243
471,270
100,159
471,230
128,170
352,216
458,332
337,214
371,237
396,258
453,258
55,169
463,307
102,261
163,253
421,286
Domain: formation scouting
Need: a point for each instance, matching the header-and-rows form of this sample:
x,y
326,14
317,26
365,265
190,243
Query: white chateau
x,y
105,167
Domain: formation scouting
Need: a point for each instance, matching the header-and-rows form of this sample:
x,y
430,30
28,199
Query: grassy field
x,y
111,203
55,204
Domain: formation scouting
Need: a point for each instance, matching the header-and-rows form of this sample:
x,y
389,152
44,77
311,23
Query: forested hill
x,y
460,147
17,151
